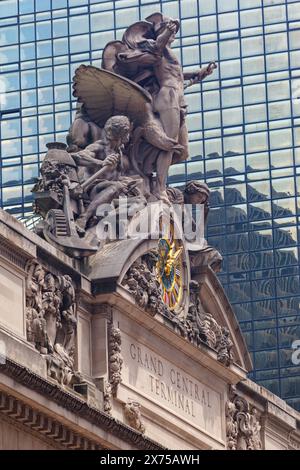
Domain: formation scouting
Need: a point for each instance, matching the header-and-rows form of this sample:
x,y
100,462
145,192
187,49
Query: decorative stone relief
x,y
51,320
132,411
202,327
107,394
115,359
115,368
198,327
141,281
242,424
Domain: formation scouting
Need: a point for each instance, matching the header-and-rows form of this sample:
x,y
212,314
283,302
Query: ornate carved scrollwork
x,y
51,319
141,281
242,424
198,327
107,394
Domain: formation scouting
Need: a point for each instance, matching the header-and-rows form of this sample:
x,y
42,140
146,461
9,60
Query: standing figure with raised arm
x,y
145,56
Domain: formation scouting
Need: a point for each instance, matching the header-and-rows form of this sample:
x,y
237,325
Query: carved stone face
x,y
196,193
39,273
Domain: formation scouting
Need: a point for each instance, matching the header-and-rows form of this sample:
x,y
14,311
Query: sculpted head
x,y
39,273
117,130
161,22
196,193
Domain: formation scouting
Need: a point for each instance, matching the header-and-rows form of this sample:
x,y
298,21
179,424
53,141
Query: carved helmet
x,y
58,155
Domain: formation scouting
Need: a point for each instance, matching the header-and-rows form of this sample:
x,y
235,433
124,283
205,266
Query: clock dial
x,y
169,265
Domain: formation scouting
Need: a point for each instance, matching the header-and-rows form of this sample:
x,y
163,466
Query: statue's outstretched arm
x,y
199,75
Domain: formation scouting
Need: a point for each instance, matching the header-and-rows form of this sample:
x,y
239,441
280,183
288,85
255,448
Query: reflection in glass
x,y
265,339
290,387
266,359
11,176
12,195
285,237
259,191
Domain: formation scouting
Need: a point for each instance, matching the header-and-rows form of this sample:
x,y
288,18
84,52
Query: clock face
x,y
169,266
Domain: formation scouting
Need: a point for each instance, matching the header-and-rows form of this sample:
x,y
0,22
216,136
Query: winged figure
x,y
168,257
142,78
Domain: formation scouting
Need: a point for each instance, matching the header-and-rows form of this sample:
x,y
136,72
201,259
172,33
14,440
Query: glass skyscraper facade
x,y
244,137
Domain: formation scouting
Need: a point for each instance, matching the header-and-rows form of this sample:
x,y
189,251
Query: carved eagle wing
x,y
105,94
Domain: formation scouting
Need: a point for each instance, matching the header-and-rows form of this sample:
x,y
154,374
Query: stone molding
x,y
11,255
76,405
44,425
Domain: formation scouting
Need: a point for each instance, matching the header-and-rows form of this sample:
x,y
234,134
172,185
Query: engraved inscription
x,y
170,386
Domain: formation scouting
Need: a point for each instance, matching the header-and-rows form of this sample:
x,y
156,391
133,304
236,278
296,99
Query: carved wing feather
x,y
176,255
105,94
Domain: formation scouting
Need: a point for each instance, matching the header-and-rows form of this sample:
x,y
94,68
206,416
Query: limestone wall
x,y
130,380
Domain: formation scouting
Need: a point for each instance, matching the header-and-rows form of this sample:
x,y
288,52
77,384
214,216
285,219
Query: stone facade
x,y
84,364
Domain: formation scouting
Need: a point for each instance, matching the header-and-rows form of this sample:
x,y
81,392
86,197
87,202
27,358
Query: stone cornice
x,y
277,409
43,425
70,402
9,253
